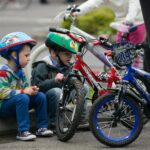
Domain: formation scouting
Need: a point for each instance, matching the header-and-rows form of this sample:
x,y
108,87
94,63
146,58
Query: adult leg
x,y
146,62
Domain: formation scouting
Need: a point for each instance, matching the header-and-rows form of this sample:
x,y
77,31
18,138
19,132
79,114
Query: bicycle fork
x,y
118,103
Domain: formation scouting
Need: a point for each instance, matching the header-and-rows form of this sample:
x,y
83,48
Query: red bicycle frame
x,y
93,78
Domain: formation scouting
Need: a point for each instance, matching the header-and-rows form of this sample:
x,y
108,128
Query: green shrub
x,y
95,22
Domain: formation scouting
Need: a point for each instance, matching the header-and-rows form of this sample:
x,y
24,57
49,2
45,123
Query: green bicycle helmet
x,y
61,42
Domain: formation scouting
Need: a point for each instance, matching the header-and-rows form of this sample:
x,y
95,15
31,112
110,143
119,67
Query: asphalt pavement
x,y
83,140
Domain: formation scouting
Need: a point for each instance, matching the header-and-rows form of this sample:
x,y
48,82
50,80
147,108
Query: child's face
x,y
24,55
65,57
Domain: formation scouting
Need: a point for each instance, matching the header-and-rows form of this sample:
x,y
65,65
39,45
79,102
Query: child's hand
x,y
35,89
31,90
59,77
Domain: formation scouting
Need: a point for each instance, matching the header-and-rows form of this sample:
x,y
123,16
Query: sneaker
x,y
25,136
44,132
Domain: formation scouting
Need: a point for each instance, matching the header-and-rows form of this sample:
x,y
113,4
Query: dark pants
x,y
146,56
53,97
146,62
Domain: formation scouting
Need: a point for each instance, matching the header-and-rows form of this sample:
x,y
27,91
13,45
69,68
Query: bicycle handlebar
x,y
93,46
73,9
59,30
101,41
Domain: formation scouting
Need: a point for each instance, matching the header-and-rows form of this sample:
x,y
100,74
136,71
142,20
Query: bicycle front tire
x,y
112,129
69,113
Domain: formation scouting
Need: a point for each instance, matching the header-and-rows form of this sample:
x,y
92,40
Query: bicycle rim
x,y
115,129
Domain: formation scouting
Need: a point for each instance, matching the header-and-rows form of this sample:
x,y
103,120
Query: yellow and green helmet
x,y
62,42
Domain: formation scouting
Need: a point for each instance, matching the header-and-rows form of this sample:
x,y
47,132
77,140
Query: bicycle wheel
x,y
3,4
115,128
70,110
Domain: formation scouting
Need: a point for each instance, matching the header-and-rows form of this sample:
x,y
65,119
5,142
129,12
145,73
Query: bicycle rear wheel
x,y
116,128
70,110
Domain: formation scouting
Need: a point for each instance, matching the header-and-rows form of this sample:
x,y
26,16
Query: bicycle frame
x,y
130,77
93,79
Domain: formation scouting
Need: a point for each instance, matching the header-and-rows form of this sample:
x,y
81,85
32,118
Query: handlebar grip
x,y
105,42
59,30
76,10
73,8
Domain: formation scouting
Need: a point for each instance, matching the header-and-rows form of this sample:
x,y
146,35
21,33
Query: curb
x,y
9,126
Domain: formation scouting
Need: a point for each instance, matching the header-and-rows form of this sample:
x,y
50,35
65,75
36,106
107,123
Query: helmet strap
x,y
17,62
61,62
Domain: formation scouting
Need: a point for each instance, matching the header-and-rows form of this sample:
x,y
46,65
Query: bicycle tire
x,y
113,140
64,111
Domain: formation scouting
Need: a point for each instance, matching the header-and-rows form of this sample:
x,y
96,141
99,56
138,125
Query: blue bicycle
x,y
116,118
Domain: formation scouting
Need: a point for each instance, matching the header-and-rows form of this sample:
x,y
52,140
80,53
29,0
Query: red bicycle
x,y
72,100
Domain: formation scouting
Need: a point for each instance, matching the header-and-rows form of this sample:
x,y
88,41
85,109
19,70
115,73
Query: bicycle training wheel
x,y
115,124
70,110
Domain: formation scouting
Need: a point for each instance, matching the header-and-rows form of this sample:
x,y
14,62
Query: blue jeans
x,y
53,98
19,105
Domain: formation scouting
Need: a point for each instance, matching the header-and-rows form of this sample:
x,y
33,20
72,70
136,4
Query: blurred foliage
x,y
95,22
91,92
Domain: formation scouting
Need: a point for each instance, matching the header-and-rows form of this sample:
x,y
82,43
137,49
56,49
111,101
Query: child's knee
x,y
22,98
41,96
55,92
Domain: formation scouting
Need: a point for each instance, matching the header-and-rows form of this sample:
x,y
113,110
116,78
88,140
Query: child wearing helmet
x,y
54,68
16,97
